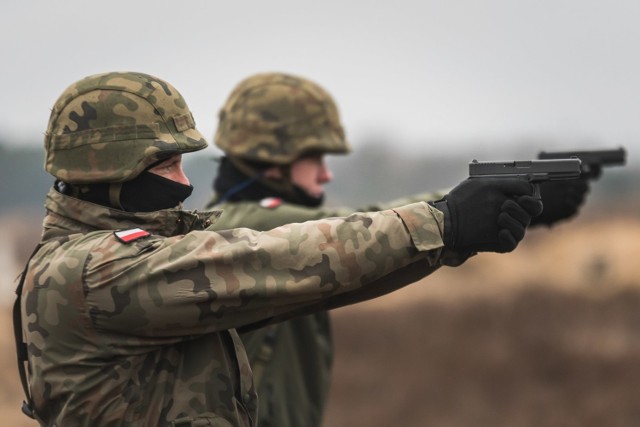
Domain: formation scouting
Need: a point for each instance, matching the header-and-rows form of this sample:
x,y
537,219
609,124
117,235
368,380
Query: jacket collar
x,y
67,215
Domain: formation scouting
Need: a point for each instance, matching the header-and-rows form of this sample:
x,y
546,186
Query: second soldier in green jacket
x,y
275,129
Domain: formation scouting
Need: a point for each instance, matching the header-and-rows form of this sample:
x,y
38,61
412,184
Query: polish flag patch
x,y
271,202
128,236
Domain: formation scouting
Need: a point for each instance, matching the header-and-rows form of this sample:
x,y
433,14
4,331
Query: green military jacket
x,y
140,331
291,360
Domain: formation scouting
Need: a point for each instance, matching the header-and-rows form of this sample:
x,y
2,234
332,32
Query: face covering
x,y
303,198
234,185
149,192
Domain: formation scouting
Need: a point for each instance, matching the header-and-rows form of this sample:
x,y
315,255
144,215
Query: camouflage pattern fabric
x,y
292,360
110,127
142,333
276,117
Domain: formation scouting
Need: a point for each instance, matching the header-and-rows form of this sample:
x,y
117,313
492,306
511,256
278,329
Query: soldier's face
x,y
311,173
171,169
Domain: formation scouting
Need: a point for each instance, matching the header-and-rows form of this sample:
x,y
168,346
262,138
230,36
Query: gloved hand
x,y
488,214
562,200
593,171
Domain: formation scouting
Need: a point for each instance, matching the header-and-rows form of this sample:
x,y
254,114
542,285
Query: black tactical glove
x,y
562,200
488,214
592,172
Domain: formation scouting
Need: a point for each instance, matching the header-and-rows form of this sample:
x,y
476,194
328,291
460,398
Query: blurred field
x,y
544,358
546,336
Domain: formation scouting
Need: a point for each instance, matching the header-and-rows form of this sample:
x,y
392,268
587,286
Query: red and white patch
x,y
271,202
127,236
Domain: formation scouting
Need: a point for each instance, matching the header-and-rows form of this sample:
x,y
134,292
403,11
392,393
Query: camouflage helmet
x,y
110,127
275,118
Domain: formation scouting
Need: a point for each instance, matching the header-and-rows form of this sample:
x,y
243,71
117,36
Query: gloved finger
x,y
516,211
581,185
579,192
595,171
574,200
552,189
506,241
515,227
563,186
578,186
532,205
508,186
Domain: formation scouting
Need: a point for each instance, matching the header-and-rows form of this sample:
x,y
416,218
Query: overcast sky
x,y
425,74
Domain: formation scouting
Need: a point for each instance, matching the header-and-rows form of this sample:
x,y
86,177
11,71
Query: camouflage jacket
x,y
142,333
291,360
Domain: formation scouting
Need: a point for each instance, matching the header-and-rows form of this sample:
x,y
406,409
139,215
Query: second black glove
x,y
562,200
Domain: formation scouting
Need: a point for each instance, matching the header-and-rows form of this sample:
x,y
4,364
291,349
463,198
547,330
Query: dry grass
x,y
592,257
541,358
545,336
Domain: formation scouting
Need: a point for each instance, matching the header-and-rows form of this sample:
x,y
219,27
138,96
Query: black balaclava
x,y
232,184
147,192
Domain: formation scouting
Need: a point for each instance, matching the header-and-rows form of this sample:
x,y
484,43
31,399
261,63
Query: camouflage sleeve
x,y
415,198
207,281
420,197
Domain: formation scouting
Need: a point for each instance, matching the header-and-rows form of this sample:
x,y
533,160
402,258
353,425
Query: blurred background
x,y
547,335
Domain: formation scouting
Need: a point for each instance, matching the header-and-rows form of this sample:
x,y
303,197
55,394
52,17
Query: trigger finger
x,y
532,205
506,241
514,226
516,212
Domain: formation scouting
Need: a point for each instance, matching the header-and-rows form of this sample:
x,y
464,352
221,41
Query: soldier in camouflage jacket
x,y
129,305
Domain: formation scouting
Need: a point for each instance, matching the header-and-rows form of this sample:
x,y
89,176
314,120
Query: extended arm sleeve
x,y
207,281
